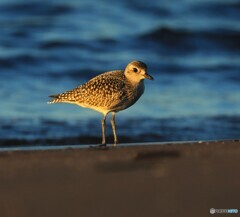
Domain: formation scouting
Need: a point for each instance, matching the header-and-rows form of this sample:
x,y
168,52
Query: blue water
x,y
191,47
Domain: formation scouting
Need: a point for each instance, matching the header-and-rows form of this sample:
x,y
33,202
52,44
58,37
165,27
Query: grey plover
x,y
111,91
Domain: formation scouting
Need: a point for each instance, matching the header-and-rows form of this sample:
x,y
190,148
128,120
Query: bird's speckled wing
x,y
104,90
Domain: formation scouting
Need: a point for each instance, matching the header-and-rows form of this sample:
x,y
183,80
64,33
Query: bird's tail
x,y
55,100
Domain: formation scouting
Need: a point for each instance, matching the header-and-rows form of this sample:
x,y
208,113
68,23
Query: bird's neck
x,y
133,80
138,86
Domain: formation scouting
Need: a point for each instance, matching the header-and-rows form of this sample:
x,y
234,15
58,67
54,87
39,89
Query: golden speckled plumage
x,y
109,92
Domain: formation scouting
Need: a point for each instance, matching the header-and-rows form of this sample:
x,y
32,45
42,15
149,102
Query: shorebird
x,y
111,91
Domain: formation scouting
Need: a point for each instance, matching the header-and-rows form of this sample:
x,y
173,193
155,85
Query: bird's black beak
x,y
146,75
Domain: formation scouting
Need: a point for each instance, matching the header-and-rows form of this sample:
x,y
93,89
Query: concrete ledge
x,y
183,179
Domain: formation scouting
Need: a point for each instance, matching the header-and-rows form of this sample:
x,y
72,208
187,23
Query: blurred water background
x,y
191,47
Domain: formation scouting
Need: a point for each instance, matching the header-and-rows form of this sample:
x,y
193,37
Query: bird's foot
x,y
114,145
99,147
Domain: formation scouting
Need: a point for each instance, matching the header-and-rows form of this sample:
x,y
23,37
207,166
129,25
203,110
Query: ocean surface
x,y
191,47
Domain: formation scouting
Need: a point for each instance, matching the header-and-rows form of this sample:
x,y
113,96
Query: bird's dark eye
x,y
135,69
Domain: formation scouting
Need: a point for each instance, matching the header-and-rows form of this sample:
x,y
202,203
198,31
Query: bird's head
x,y
136,71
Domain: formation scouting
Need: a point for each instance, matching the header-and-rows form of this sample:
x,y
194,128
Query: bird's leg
x,y
103,130
114,129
